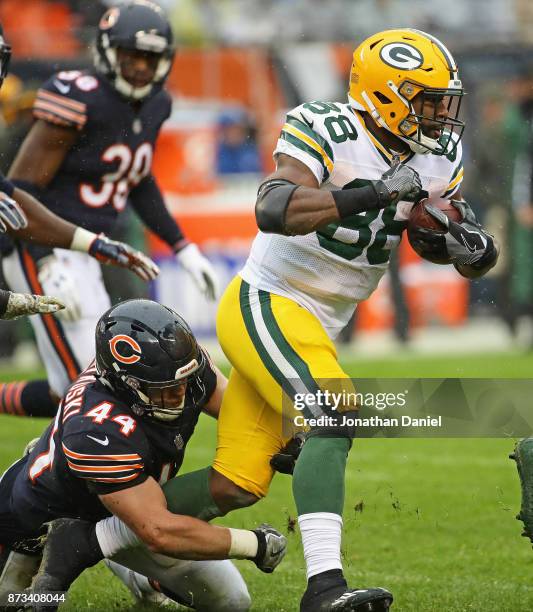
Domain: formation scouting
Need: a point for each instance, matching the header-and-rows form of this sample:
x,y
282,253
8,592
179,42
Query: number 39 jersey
x,y
330,270
114,150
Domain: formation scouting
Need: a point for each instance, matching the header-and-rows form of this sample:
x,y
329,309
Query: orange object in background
x,y
39,28
184,160
211,228
434,294
233,77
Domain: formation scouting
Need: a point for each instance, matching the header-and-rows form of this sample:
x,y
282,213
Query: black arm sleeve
x,y
149,205
4,299
6,186
37,251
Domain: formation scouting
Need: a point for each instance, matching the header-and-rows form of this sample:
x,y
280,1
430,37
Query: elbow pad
x,y
273,199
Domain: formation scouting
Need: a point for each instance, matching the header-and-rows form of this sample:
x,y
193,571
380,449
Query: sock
x,y
189,494
321,540
318,489
318,480
31,398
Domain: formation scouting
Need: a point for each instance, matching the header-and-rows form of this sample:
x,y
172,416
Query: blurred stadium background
x,y
240,65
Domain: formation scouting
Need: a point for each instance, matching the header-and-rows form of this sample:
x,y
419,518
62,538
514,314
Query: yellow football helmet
x,y
390,69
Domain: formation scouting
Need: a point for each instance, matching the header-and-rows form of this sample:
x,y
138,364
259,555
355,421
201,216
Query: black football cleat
x,y
69,548
523,455
331,594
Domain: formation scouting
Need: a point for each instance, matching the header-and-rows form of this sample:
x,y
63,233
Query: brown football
x,y
420,218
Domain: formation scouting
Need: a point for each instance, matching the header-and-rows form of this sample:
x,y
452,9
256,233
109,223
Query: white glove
x,y
55,280
200,269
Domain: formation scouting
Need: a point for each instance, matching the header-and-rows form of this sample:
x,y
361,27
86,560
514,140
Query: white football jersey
x,y
329,271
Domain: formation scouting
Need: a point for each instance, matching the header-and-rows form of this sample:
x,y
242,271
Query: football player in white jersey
x,y
329,216
346,178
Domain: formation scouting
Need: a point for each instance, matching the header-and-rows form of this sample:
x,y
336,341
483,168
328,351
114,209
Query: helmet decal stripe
x,y
125,358
452,66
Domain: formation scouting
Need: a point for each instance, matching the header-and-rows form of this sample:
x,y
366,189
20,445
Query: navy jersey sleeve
x,y
99,453
63,99
167,104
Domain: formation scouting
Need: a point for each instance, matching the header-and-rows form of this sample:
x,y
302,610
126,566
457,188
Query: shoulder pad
x,y
306,134
102,454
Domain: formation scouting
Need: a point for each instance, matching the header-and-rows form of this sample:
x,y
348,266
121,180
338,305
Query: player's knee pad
x,y
342,426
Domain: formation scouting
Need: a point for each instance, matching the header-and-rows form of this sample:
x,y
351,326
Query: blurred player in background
x,y
89,154
119,434
25,218
346,179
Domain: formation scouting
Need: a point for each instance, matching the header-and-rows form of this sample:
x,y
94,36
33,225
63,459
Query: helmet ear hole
x,y
392,115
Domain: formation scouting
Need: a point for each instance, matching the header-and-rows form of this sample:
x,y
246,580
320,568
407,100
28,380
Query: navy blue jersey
x,y
114,150
96,445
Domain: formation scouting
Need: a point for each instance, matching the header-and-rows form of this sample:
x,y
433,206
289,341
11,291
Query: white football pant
x,y
66,348
215,586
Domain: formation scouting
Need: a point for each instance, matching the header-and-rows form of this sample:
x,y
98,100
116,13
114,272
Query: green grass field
x,y
432,520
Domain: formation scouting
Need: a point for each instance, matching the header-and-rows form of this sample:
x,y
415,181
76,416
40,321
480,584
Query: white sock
x,y
321,539
113,535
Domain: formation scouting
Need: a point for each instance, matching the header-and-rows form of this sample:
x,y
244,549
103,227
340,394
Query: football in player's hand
x,y
426,233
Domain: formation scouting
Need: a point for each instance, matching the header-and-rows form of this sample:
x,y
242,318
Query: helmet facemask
x,y
149,43
158,399
415,127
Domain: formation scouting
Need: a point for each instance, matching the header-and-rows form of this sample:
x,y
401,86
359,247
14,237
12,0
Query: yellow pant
x,y
275,346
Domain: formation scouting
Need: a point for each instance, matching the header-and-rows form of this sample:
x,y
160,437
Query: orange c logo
x,y
109,18
134,345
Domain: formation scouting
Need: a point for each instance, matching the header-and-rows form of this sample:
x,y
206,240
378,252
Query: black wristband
x,y
360,199
6,186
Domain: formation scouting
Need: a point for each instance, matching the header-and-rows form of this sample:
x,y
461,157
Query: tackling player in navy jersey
x,y
87,156
25,218
120,433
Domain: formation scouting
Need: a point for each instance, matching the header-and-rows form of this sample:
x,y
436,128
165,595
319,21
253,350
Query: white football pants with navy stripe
x,y
66,348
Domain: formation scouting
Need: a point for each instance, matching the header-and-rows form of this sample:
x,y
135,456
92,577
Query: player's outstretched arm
x,y
47,229
14,305
73,545
184,537
290,202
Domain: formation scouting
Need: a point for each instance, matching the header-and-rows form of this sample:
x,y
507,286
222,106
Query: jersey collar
x,y
387,154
